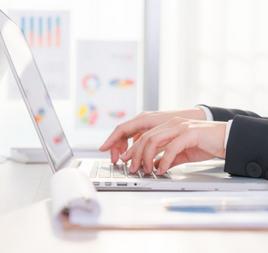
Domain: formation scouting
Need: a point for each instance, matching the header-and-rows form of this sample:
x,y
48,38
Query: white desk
x,y
26,227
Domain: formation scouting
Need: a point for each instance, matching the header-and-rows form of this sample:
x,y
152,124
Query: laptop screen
x,y
34,93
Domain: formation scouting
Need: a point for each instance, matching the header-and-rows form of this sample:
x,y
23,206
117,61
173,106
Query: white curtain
x,y
214,52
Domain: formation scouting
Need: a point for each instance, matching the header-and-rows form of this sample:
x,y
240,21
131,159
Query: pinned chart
x,y
121,83
90,83
48,35
117,114
106,83
88,114
42,31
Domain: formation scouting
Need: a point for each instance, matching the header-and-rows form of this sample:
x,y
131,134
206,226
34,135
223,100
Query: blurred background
x,y
112,59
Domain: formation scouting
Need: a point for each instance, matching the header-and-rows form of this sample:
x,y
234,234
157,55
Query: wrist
x,y
222,134
194,113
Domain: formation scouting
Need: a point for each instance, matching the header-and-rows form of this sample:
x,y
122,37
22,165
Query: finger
x,y
180,159
156,162
126,156
177,146
136,161
139,144
148,166
122,146
155,145
114,155
125,131
163,132
137,136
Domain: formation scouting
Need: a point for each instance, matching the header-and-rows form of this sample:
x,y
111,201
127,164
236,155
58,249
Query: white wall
x,y
214,52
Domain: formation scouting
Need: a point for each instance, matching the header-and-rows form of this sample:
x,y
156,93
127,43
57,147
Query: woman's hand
x,y
181,140
117,143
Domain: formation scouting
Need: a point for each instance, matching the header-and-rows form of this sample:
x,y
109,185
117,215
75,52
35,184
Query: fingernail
x,y
158,172
102,147
103,144
114,160
131,168
123,156
146,170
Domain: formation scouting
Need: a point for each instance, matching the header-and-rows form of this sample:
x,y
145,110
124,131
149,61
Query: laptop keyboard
x,y
108,170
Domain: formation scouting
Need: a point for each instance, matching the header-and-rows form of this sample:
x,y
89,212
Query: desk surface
x,y
25,225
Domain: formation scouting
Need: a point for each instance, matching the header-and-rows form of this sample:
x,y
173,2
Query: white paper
x,y
48,35
72,190
106,83
150,212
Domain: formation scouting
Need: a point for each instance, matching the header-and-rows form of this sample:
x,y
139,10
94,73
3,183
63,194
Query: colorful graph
x,y
88,114
122,83
40,115
117,114
42,31
90,83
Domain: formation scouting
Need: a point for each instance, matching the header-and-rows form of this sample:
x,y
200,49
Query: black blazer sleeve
x,y
247,147
222,114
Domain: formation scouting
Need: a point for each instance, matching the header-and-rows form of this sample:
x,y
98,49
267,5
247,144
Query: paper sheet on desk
x,y
73,194
150,213
161,219
74,198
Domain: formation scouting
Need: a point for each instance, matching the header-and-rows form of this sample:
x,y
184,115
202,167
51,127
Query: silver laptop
x,y
207,176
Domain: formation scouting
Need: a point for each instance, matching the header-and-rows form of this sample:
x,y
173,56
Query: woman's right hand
x,y
117,142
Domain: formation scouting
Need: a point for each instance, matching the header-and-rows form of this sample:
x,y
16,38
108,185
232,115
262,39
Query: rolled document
x,y
73,197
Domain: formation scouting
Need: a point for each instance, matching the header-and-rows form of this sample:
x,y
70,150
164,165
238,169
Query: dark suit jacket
x,y
247,147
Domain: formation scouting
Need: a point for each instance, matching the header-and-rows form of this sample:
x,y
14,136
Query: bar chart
x,y
42,31
48,35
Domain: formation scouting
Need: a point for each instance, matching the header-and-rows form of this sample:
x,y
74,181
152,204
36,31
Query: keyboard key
x,y
94,170
165,176
118,170
104,172
150,176
155,177
105,163
131,175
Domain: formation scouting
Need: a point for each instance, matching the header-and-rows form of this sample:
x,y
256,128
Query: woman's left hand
x,y
181,140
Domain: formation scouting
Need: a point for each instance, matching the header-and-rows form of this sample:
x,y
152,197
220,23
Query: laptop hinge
x,y
74,163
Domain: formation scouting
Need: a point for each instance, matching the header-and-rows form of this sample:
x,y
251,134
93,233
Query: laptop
x,y
105,176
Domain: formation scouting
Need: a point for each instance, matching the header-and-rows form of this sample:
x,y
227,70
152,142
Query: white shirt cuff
x,y
227,132
209,117
207,112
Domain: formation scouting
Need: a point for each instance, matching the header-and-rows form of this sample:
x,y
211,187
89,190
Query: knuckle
x,y
175,121
135,153
143,114
191,132
121,129
169,149
185,124
193,137
165,159
118,128
172,121
185,127
144,138
151,141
